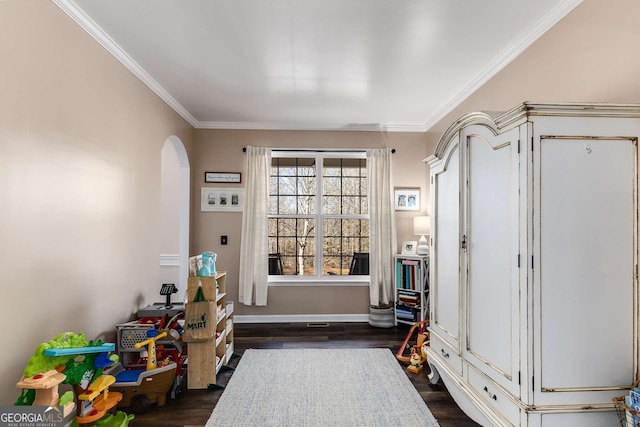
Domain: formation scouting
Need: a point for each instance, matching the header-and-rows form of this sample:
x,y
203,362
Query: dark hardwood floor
x,y
194,407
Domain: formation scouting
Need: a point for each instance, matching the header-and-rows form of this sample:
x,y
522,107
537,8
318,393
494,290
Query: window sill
x,y
316,281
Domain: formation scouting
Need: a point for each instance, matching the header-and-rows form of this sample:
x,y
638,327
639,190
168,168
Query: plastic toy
x,y
415,365
153,336
169,349
55,362
422,339
141,388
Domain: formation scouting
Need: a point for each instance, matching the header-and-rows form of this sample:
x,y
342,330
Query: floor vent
x,y
317,325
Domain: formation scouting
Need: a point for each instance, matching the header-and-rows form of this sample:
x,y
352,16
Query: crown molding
x,y
367,127
74,12
505,58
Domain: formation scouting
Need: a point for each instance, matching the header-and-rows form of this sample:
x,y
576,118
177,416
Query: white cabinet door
x,y
584,237
492,236
445,260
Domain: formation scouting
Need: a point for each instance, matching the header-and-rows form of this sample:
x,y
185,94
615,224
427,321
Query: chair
x,y
359,264
275,264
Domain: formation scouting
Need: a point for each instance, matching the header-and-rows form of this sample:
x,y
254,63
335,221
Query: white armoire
x,y
534,263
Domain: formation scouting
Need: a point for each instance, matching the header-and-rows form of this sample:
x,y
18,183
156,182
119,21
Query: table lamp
x,y
421,227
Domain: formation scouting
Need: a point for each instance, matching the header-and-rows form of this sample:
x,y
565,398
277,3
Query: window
x,y
318,217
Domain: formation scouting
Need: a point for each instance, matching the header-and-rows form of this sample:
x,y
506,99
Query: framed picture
x,y
409,247
407,199
214,199
228,177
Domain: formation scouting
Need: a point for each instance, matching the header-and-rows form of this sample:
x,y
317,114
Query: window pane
x,y
333,266
342,238
331,186
351,205
346,177
293,239
306,205
331,246
331,205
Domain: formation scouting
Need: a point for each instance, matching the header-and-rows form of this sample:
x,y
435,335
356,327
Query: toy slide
x,y
101,400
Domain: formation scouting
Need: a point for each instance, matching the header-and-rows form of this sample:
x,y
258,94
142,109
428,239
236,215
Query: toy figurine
x,y
415,365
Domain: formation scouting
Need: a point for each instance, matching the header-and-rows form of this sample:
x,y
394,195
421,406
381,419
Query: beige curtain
x,y
254,244
382,231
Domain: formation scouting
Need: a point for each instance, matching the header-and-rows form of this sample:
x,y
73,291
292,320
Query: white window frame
x,y
319,280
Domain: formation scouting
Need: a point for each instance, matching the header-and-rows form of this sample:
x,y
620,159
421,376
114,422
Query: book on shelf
x,y
407,313
409,298
408,274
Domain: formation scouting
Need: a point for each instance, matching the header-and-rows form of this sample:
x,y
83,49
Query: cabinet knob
x,y
464,242
444,353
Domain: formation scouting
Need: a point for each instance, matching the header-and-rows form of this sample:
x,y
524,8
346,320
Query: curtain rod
x,y
244,150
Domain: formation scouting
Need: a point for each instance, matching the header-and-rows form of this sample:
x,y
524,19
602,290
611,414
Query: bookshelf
x,y
411,278
208,357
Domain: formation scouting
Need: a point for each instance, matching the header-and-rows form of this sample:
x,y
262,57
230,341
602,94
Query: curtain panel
x,y
254,244
382,230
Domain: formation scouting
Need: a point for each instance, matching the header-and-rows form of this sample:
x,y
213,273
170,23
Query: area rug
x,y
317,387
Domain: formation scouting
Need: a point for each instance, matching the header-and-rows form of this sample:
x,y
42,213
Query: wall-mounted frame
x,y
226,177
216,199
409,247
406,199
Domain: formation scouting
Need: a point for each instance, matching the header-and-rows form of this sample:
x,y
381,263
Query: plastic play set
x,y
148,367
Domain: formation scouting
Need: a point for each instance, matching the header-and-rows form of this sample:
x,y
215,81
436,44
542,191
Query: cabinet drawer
x,y
446,352
491,393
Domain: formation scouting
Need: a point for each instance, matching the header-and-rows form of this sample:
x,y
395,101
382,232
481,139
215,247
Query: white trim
x,y
169,260
301,318
293,281
505,58
94,30
328,127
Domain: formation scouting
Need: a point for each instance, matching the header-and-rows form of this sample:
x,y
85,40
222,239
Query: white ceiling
x,y
315,64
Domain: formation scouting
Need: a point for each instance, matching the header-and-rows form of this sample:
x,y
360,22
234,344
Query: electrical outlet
x,y
223,240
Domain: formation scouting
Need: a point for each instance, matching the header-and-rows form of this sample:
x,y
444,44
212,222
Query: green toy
x,y
40,363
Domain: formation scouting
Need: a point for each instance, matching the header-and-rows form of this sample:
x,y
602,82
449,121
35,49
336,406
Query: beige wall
x,y
80,144
591,55
221,150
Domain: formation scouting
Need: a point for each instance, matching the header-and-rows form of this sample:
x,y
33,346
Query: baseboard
x,y
301,318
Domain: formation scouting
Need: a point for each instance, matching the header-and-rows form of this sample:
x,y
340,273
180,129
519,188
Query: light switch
x,y
223,240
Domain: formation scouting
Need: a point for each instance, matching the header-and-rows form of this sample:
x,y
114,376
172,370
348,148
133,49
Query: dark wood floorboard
x,y
193,407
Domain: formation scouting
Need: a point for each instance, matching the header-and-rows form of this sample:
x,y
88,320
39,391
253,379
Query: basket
x,y
132,333
627,416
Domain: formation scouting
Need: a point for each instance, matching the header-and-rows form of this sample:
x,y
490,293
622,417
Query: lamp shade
x,y
421,225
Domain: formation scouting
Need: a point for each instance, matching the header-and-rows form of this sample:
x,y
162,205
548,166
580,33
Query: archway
x,y
174,216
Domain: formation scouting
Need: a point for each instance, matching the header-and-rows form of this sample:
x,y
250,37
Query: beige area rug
x,y
315,387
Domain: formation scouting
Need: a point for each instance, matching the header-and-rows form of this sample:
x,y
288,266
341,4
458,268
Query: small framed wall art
x,y
409,247
406,199
226,177
214,199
